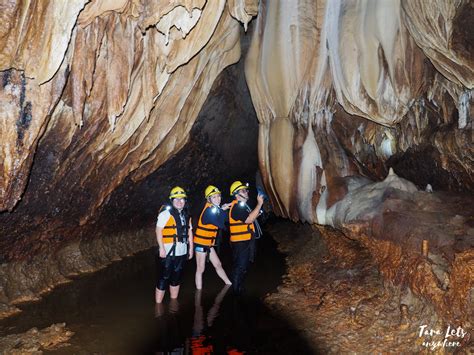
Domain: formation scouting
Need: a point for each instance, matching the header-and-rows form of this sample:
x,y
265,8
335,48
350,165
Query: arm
x,y
190,240
256,211
159,239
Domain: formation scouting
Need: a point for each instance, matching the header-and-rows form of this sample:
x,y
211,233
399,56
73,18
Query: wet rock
x,y
26,281
35,341
343,100
361,312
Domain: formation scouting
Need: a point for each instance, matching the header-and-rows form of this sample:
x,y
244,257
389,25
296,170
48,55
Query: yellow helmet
x,y
236,186
177,192
210,191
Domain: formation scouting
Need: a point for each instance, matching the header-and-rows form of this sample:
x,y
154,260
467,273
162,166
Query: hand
x,y
260,199
162,253
190,254
226,206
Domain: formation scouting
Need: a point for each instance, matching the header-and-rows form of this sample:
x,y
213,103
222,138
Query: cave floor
x,y
340,303
327,302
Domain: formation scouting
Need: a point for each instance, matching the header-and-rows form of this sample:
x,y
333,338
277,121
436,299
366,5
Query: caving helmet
x,y
236,186
177,192
211,191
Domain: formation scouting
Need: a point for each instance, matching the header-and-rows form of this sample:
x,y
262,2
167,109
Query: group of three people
x,y
177,242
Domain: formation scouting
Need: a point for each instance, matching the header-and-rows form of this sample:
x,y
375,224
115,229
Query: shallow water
x,y
113,311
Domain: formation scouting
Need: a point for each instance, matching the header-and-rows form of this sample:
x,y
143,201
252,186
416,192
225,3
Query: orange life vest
x,y
205,233
239,231
170,231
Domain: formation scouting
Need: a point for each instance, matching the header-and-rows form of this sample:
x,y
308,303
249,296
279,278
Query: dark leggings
x,y
241,253
169,271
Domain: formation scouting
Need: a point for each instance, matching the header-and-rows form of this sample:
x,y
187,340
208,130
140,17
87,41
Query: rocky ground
x,y
35,341
334,293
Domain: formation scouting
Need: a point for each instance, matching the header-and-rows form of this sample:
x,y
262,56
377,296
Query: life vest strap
x,y
242,233
238,224
208,229
204,237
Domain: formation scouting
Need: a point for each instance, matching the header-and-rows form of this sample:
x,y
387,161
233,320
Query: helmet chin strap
x,y
243,197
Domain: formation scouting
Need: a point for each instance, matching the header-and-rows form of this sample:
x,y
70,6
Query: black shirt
x,y
240,212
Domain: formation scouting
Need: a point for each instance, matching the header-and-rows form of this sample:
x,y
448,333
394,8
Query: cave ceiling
x,y
116,84
341,88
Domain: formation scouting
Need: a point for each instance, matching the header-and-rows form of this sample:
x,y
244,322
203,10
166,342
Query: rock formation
x,y
314,70
111,89
343,91
360,105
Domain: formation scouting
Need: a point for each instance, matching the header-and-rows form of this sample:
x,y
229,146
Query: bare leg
x,y
174,291
159,295
218,265
200,267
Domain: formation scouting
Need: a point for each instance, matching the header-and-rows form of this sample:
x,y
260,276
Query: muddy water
x,y
113,311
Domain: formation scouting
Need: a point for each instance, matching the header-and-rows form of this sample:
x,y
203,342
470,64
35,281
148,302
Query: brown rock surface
x,y
89,156
100,103
42,238
334,293
35,341
124,93
346,88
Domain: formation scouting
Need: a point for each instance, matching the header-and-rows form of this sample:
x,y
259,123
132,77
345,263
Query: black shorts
x,y
169,271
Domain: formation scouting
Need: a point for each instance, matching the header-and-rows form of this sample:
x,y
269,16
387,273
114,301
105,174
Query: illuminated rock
x,y
117,85
321,72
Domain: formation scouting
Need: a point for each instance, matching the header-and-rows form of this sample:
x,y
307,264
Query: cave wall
x,y
106,104
346,88
43,255
365,124
97,96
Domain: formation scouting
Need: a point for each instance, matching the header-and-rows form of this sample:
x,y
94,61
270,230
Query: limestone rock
x,y
116,86
344,88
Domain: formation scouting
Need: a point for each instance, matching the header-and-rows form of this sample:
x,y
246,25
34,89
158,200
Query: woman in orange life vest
x,y
173,233
211,219
244,229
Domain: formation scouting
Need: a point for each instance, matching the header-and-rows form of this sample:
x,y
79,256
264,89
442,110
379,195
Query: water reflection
x,y
200,342
108,318
171,336
169,328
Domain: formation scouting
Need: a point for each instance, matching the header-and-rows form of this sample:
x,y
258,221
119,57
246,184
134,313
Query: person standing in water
x,y
212,217
175,242
244,229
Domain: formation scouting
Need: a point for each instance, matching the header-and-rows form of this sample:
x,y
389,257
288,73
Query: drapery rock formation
x,y
345,90
382,61
111,89
71,217
98,96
